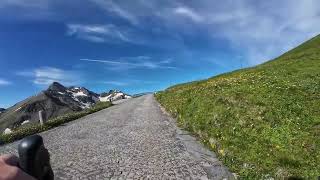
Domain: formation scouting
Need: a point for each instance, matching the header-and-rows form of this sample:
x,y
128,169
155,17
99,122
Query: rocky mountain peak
x,y
55,86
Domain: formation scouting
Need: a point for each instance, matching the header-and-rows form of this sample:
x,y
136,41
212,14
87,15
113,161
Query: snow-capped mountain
x,y
2,110
54,101
113,95
82,95
78,96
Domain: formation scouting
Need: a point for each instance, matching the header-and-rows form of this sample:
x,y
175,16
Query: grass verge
x,y
51,123
262,122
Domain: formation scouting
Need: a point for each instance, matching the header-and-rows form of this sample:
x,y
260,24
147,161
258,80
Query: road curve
x,y
131,140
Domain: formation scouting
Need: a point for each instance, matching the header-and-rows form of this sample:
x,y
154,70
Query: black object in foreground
x,y
34,158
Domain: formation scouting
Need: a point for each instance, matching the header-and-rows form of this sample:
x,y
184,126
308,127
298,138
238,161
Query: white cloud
x,y
141,63
48,75
93,38
95,29
260,31
115,83
184,11
266,33
26,10
97,33
131,82
117,10
4,82
42,4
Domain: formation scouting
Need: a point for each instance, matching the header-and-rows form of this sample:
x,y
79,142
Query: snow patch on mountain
x,y
104,99
7,131
17,109
80,93
25,122
113,95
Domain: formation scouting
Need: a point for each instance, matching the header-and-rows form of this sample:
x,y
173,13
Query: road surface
x,y
132,140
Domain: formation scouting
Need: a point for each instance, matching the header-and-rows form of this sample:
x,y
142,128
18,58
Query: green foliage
x,y
263,121
51,123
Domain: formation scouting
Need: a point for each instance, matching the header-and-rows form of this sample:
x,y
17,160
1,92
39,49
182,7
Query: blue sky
x,y
142,45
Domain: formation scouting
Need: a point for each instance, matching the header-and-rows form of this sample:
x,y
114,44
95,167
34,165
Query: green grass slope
x,y
262,121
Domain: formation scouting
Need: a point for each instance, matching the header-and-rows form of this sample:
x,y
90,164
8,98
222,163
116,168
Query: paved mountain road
x,y
131,140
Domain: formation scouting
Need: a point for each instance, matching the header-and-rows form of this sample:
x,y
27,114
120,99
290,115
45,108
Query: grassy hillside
x,y
262,121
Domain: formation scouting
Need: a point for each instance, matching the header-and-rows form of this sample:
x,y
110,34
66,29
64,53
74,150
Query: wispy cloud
x,y
116,9
4,82
147,64
260,31
128,82
48,75
26,10
25,4
116,83
97,33
184,11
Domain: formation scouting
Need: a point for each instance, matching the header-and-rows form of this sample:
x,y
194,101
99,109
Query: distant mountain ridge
x,y
141,94
55,101
113,95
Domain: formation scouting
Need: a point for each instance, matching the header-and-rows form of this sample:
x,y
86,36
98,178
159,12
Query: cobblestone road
x,y
131,140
